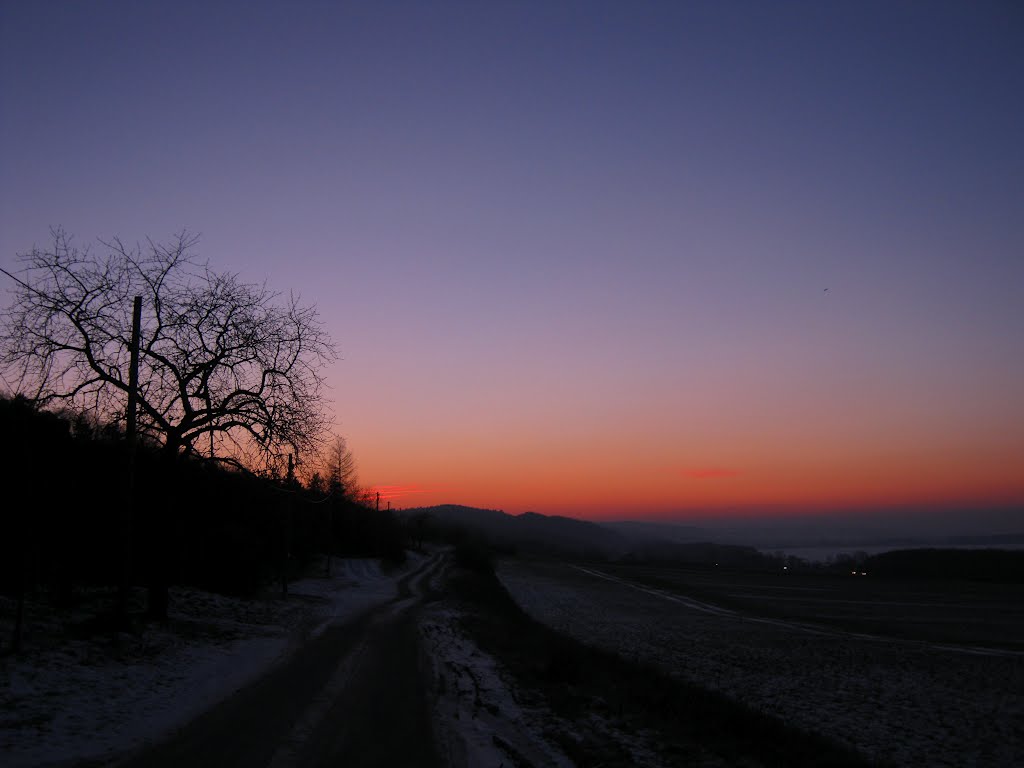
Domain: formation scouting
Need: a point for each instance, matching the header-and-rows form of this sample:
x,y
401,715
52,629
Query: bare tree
x,y
229,371
341,468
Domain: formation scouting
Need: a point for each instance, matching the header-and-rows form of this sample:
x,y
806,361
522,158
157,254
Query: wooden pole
x,y
133,372
131,435
286,542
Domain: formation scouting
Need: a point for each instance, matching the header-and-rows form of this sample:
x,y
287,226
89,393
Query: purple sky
x,y
575,254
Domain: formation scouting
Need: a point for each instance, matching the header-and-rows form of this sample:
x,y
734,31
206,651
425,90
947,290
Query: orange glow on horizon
x,y
395,492
764,450
597,484
709,473
715,495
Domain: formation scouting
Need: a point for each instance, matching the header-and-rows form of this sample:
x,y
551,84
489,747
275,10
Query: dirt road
x,y
352,697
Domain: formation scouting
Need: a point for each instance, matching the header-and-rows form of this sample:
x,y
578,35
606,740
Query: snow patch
x,y
68,699
479,721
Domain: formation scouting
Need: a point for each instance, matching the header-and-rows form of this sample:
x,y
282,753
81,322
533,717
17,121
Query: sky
x,y
600,259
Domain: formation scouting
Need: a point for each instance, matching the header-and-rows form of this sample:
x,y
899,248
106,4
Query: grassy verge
x,y
582,684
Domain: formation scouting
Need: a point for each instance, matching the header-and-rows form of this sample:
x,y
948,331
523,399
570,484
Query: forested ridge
x,y
189,522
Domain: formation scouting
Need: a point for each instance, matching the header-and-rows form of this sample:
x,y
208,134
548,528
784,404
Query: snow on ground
x,y
69,698
484,719
900,702
479,720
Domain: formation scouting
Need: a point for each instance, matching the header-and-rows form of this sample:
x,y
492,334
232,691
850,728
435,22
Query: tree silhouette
x,y
229,371
340,468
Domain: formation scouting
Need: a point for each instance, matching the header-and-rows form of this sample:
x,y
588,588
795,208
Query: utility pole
x,y
131,435
286,543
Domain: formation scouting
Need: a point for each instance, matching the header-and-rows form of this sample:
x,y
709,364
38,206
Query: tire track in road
x,y
346,724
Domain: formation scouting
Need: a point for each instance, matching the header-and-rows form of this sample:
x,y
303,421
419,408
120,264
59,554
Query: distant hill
x,y
530,532
678,543
640,529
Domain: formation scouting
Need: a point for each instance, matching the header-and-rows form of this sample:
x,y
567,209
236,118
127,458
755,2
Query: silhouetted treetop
x,y
228,370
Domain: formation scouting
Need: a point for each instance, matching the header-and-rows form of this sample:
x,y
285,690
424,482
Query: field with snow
x,y
72,697
489,707
910,697
906,675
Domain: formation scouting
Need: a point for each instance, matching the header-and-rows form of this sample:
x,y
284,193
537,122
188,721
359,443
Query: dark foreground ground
x,y
955,611
354,696
358,695
677,723
906,672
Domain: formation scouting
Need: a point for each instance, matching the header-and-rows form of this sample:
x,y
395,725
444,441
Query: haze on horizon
x,y
597,259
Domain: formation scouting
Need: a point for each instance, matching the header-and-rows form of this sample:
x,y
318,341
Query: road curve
x,y
354,697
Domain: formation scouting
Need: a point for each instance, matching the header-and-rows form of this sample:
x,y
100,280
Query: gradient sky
x,y
575,255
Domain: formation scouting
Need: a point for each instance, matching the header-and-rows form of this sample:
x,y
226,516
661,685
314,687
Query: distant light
x,y
785,567
854,573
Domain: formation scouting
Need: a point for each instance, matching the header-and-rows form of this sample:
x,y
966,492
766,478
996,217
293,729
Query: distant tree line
x,y
992,565
198,523
479,534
